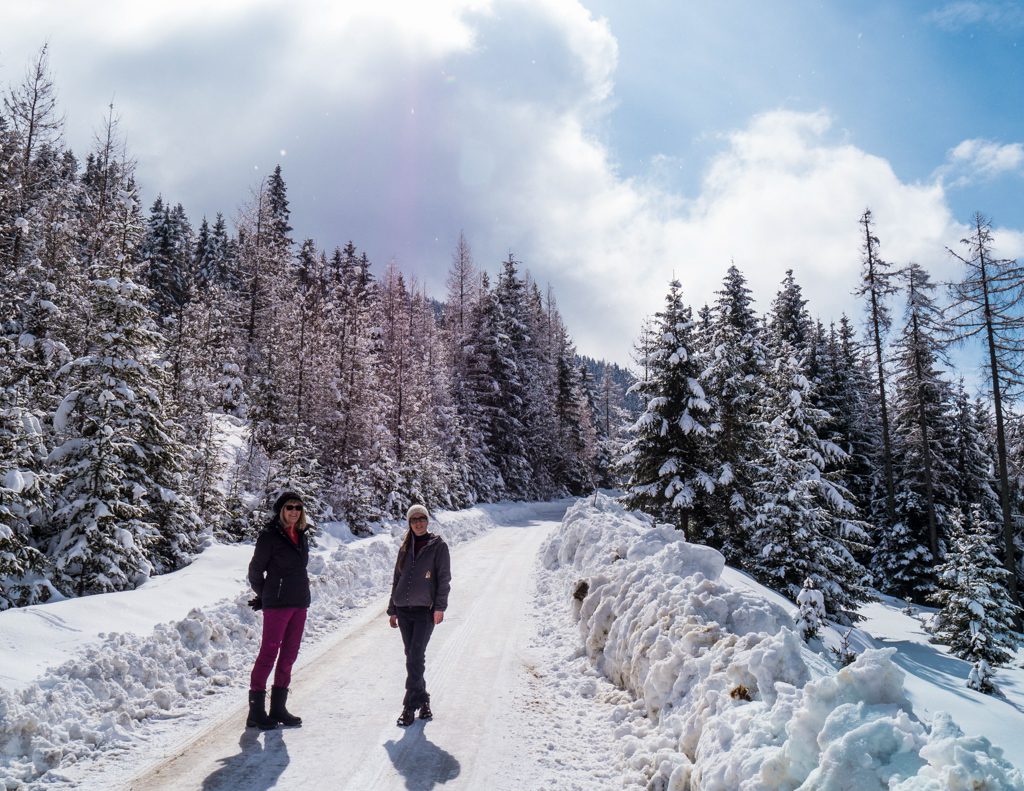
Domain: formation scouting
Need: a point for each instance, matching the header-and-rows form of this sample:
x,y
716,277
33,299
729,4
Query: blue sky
x,y
608,144
906,81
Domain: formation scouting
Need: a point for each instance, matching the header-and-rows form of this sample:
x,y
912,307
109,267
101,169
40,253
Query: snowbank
x,y
733,699
117,684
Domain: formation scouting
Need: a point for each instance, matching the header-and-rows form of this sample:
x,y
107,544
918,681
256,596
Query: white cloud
x,y
406,122
780,195
961,15
977,160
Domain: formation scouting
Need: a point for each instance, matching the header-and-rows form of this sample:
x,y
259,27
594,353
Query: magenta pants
x,y
282,634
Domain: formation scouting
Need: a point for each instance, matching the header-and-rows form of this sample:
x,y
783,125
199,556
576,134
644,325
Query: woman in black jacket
x,y
419,597
277,573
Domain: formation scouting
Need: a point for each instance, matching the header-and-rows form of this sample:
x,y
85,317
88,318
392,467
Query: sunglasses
x,y
293,508
418,519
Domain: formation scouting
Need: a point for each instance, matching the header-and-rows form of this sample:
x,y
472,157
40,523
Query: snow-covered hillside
x,y
731,697
642,662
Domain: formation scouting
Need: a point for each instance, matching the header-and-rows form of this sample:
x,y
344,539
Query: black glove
x,y
256,603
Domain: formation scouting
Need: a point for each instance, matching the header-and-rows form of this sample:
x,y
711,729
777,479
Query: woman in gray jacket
x,y
419,597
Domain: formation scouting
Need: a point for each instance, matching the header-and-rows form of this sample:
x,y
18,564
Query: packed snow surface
x,y
117,667
602,652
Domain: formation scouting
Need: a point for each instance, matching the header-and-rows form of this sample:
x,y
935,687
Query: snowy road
x,y
479,674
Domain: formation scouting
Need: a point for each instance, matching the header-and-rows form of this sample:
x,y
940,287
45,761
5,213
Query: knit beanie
x,y
284,498
416,510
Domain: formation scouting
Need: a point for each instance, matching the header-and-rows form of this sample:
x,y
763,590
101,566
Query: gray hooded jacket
x,y
422,580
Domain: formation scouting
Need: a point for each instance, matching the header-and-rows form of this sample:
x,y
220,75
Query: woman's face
x,y
418,525
291,512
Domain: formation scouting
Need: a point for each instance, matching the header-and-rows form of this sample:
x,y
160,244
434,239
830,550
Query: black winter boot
x,y
278,699
406,718
425,712
258,711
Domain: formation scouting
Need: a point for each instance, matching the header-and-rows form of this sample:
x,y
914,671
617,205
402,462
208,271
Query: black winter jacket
x,y
277,571
422,580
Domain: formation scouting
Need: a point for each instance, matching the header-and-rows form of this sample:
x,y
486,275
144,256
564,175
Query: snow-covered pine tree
x,y
978,613
171,506
305,320
810,611
103,536
408,355
538,361
733,379
30,125
396,359
463,293
211,388
220,263
980,677
611,421
974,458
845,383
354,448
436,455
465,285
294,468
802,524
498,331
665,464
112,419
37,203
168,256
576,444
987,303
923,436
28,359
923,400
268,293
24,495
788,319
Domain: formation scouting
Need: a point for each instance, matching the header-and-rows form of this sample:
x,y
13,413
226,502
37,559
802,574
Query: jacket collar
x,y
279,526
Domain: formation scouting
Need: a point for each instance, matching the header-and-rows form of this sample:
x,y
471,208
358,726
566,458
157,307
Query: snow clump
x,y
734,700
109,693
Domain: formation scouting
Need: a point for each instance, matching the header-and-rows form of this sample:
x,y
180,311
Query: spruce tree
x,y
923,435
974,460
810,610
803,524
117,464
788,319
978,613
24,491
847,397
463,311
665,463
499,332
733,379
104,536
989,303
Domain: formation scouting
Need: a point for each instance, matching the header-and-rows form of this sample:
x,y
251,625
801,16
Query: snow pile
x,y
110,691
732,698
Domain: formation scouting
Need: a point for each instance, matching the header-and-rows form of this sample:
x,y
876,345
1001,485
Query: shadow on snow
x,y
421,762
256,768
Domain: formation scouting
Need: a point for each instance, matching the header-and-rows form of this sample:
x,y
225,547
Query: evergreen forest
x,y
162,379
